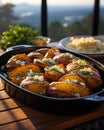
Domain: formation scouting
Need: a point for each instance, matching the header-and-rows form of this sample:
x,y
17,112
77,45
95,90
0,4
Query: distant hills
x,y
31,14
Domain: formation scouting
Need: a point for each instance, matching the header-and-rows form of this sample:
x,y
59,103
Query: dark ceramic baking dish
x,y
45,103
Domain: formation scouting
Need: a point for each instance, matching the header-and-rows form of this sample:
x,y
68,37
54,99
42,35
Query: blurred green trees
x,y
83,27
6,16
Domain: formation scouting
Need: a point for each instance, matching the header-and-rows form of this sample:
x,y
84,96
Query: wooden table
x,y
15,115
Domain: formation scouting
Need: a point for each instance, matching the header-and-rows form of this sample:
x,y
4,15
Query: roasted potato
x,y
49,61
73,78
44,62
17,60
53,73
77,64
35,55
63,89
35,84
43,51
39,63
64,58
20,73
52,52
90,76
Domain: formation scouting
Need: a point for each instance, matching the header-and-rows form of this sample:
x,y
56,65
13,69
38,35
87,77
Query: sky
x,y
53,2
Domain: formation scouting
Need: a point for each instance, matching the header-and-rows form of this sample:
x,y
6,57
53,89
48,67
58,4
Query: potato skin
x,y
13,61
72,77
93,82
64,58
33,86
77,64
43,51
88,73
20,73
62,89
44,62
39,63
52,52
91,77
35,55
54,75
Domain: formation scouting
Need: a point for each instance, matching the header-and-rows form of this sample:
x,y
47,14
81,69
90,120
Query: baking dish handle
x,y
99,97
18,47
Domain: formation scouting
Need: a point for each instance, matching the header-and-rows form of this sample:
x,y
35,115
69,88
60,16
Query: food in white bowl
x,y
85,44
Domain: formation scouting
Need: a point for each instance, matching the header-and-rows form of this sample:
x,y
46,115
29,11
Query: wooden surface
x,y
14,115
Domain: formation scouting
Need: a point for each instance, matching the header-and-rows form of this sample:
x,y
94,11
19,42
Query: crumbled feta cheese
x,y
82,84
30,72
77,95
56,68
67,81
86,69
39,78
49,61
74,80
20,62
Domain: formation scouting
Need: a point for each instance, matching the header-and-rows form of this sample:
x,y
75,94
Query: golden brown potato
x,y
52,52
77,64
44,62
48,61
43,51
62,89
64,58
35,85
90,76
73,78
93,81
20,73
17,60
35,55
53,73
39,63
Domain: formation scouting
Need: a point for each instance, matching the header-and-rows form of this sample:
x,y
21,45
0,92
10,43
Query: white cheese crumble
x,y
39,78
20,62
30,72
55,68
77,95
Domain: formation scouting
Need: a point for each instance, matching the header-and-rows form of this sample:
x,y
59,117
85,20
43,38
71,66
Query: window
x,y
65,18
69,17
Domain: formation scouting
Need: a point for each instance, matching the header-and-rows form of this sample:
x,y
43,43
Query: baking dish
x,y
45,103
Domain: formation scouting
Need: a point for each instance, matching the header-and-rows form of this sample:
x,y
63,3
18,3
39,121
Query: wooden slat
x,y
49,122
43,120
28,112
9,104
3,95
1,84
20,125
79,120
11,116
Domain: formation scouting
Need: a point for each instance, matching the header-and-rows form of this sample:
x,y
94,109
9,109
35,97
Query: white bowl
x,y
63,43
